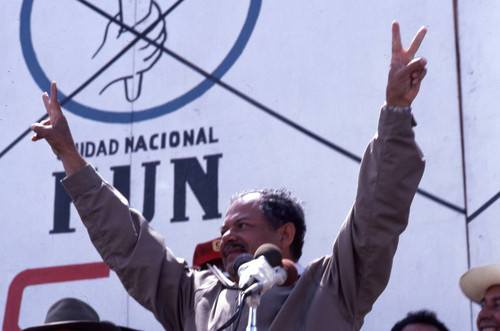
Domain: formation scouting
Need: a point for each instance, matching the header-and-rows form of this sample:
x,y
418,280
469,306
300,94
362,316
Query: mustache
x,y
233,245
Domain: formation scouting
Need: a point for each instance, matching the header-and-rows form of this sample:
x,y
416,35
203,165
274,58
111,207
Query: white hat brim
x,y
475,282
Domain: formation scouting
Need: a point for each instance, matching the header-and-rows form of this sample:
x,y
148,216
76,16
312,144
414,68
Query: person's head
x,y
422,320
70,314
262,216
482,285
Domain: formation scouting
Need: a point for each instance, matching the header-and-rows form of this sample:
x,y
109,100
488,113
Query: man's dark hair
x,y
420,317
279,207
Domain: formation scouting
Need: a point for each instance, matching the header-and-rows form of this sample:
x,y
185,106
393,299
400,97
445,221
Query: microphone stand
x,y
253,302
252,319
252,296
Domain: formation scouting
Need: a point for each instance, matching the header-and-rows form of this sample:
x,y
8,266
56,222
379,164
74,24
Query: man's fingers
x,y
52,103
53,93
417,41
396,38
422,74
46,101
416,64
39,129
419,77
36,137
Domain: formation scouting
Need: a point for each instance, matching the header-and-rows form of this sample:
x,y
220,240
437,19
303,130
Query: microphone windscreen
x,y
291,271
242,259
271,252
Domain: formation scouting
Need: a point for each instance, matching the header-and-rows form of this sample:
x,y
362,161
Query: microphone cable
x,y
236,317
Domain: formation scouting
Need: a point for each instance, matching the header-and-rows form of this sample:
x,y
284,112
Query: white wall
x,y
321,64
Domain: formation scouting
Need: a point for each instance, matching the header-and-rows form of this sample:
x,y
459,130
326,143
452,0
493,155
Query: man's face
x,y
489,316
244,230
420,327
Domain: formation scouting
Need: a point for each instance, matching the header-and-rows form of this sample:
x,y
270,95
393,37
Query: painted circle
x,y
127,117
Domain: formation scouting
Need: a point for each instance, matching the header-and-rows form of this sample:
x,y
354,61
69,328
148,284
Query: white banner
x,y
233,95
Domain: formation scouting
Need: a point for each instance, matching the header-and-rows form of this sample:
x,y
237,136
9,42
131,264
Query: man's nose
x,y
228,237
485,312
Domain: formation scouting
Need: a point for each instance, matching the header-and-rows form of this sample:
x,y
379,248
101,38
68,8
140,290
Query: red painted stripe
x,y
30,277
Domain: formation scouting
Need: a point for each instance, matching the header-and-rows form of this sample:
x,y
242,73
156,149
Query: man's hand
x,y
405,72
57,133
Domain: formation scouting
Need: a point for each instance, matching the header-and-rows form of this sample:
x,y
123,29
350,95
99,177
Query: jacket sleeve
x,y
133,249
391,169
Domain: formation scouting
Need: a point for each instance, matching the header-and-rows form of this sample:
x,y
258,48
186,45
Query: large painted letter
x,y
204,186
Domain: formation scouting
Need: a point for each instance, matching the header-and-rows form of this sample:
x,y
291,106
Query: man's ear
x,y
287,234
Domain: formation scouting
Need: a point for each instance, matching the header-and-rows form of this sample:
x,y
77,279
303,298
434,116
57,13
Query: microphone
x,y
271,252
291,272
287,272
239,261
266,270
285,275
